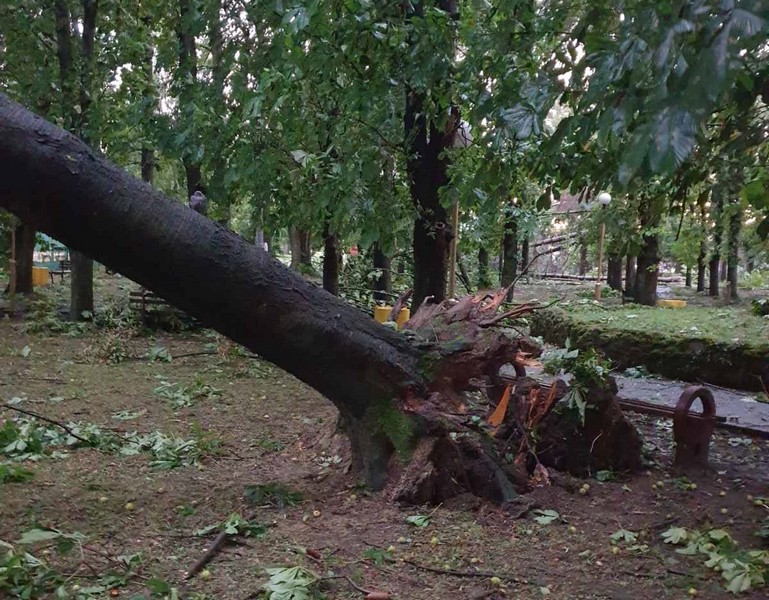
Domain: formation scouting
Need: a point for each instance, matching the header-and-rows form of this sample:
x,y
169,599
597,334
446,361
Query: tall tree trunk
x,y
463,276
427,168
305,248
701,266
583,264
733,258
81,280
722,269
688,281
525,253
715,255
332,257
509,250
630,275
300,241
382,284
614,272
648,271
187,77
25,250
77,120
484,274
150,104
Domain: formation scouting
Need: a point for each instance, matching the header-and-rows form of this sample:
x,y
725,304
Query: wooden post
x,y
453,251
601,234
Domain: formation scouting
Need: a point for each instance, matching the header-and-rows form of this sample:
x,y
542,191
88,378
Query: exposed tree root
x,y
465,445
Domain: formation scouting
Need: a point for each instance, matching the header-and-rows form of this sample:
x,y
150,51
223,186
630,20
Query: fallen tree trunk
x,y
401,397
57,184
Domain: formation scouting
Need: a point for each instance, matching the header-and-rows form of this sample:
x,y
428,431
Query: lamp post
x,y
603,199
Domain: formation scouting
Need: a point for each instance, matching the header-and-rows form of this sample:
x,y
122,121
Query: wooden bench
x,y
143,300
65,268
149,304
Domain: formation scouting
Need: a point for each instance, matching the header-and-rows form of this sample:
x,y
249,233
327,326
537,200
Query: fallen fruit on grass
x,y
391,548
614,550
434,541
205,574
724,511
692,486
401,540
129,506
572,529
722,493
692,592
495,581
103,499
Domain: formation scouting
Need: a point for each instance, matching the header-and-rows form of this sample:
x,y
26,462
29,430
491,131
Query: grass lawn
x,y
725,324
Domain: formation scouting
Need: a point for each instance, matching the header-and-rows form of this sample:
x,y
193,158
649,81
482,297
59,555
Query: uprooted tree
x,y
410,403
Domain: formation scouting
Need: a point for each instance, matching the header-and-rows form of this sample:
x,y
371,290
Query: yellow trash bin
x,y
671,303
382,312
40,276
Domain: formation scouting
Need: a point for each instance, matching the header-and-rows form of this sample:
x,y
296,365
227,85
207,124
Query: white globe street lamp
x,y
604,198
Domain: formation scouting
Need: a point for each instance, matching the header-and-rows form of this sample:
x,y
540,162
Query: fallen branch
x,y
29,413
212,551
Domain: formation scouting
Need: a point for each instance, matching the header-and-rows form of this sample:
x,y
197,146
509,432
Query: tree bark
x,y
301,249
688,281
25,250
525,253
187,78
733,258
648,271
715,255
427,168
149,106
509,251
81,281
332,258
382,286
630,275
614,272
583,264
701,266
484,274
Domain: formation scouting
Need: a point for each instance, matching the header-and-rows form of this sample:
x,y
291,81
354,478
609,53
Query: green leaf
x,y
675,535
674,138
34,536
624,535
755,193
738,582
418,520
546,516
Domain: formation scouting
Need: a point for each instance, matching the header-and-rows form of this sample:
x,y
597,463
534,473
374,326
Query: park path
x,y
739,408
